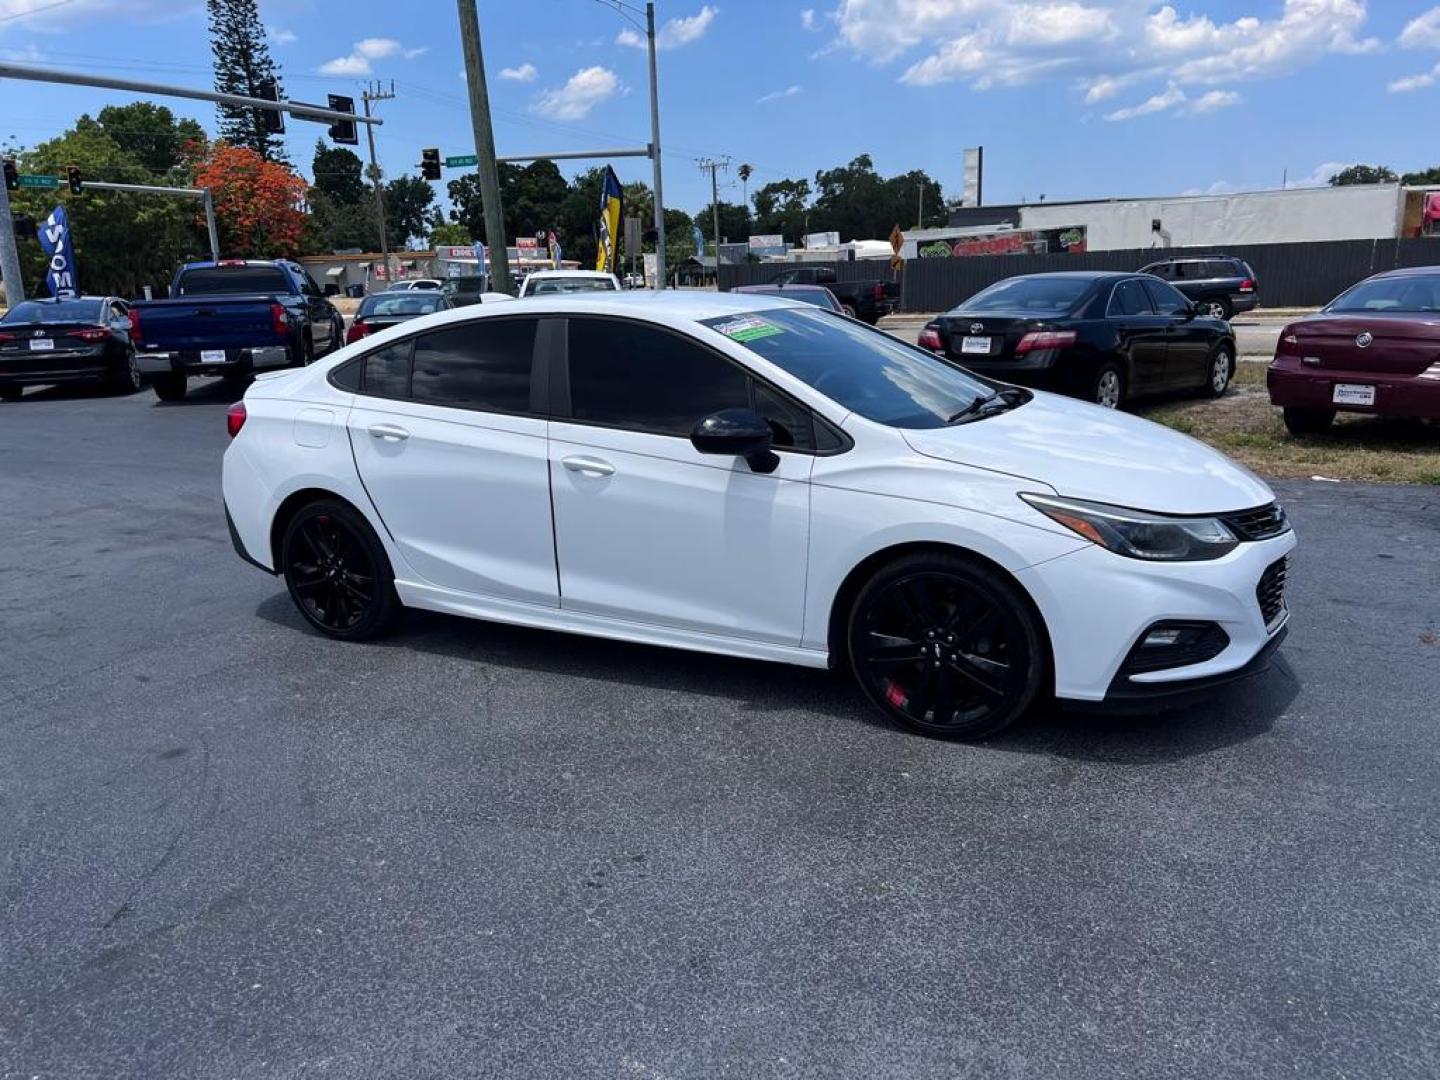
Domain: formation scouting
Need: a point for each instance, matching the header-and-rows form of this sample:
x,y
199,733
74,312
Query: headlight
x,y
1137,534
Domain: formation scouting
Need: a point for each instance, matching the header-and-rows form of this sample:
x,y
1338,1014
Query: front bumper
x,y
1097,605
1415,397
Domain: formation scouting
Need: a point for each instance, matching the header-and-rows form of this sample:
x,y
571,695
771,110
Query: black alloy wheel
x,y
127,378
945,647
337,572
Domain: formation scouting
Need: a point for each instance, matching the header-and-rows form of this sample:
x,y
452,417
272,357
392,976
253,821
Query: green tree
x,y
780,207
407,206
532,196
734,223
1363,174
448,234
679,237
903,200
1424,176
150,134
340,226
242,61
337,173
122,241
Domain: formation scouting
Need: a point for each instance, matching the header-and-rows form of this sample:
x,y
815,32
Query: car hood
x,y
1085,452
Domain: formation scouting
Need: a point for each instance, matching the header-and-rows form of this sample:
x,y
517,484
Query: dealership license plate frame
x,y
1352,394
212,356
974,345
42,344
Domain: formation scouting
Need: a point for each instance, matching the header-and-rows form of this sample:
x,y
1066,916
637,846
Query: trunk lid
x,y
1003,331
1397,344
24,335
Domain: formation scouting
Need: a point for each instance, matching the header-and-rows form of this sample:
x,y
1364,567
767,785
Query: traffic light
x,y
343,131
12,177
72,174
430,163
271,120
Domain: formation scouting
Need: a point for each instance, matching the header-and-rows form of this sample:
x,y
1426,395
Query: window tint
x,y
1166,299
1160,270
1218,268
481,365
38,311
387,371
646,379
1040,293
1130,298
234,280
1407,293
789,422
347,375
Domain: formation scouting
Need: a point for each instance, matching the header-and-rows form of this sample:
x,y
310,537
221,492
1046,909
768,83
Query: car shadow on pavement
x,y
1235,714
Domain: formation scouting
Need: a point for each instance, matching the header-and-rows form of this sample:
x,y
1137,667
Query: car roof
x,y
1407,271
571,273
1082,275
671,306
780,289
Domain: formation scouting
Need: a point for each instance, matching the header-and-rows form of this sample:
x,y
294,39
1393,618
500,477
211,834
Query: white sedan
x,y
760,478
548,282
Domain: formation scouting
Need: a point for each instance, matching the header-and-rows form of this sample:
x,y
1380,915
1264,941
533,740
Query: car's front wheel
x,y
946,647
337,572
1308,421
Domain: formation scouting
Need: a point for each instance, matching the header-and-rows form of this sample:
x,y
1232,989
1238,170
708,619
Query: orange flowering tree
x,y
259,204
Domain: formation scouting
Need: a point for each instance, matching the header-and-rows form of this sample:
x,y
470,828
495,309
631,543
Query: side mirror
x,y
738,433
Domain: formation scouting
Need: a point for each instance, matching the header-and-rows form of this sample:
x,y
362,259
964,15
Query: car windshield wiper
x,y
1009,397
973,409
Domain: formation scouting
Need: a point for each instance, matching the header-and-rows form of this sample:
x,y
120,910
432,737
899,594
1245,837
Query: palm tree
x,y
744,173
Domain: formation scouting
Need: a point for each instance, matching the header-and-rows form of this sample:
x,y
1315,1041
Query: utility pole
x,y
920,207
486,166
712,166
374,93
9,253
655,156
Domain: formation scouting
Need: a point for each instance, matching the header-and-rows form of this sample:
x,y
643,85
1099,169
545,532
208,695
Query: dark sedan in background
x,y
1375,349
79,339
380,311
1101,336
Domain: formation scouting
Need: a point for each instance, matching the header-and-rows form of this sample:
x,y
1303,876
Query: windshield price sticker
x,y
747,329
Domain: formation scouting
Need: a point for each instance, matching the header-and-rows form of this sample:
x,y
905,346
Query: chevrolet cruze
x,y
760,478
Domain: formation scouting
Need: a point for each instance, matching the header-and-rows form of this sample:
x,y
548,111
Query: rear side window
x,y
387,371
1221,268
482,365
642,378
1130,298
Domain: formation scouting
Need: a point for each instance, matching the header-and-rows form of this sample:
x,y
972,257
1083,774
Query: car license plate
x,y
1353,394
212,356
973,345
42,344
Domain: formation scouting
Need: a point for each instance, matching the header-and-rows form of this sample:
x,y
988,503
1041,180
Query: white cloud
x,y
807,19
1415,82
1320,175
776,95
280,36
366,50
1168,99
674,33
1215,99
526,72
1423,31
46,16
584,90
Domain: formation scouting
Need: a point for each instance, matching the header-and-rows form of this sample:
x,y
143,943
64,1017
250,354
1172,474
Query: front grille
x,y
1259,524
1271,591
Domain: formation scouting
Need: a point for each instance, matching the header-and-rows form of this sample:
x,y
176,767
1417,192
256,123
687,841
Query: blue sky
x,y
1071,98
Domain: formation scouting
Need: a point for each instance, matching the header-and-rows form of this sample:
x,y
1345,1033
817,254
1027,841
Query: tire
x,y
11,393
170,386
849,311
1107,388
307,353
126,380
904,625
337,337
1308,421
1215,307
337,572
1220,372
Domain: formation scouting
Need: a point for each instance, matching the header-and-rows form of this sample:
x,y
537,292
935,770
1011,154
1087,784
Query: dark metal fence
x,y
1290,275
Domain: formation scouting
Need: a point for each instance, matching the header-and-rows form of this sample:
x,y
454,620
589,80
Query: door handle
x,y
588,466
389,432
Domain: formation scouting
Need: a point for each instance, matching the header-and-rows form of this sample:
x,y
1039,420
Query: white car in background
x,y
416,284
549,282
761,478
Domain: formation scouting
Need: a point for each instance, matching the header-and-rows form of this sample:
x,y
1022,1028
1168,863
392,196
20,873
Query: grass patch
x,y
1246,426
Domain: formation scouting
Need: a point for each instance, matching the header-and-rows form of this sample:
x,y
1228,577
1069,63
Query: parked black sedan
x,y
1102,336
380,311
78,339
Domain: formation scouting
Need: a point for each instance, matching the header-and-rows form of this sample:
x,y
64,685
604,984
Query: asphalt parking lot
x,y
234,849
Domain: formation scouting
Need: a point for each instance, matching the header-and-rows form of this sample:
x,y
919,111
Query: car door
x,y
1187,352
1142,333
648,529
452,453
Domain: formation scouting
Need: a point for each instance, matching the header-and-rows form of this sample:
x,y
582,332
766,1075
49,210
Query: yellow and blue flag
x,y
612,198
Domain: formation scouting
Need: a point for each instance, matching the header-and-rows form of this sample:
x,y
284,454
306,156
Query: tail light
x,y
879,290
1248,285
930,339
1045,339
235,418
357,330
279,320
1288,343
6,337
93,333
134,325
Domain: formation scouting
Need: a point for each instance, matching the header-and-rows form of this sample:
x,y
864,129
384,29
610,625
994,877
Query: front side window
x,y
864,370
625,374
1167,299
482,365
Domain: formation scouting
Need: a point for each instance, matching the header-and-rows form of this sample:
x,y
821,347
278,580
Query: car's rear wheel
x,y
170,386
849,309
11,393
1308,421
1221,371
1107,389
946,647
1216,307
337,572
127,378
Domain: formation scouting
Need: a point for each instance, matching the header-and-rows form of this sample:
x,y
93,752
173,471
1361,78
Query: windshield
x,y
1418,293
864,370
219,280
31,311
405,303
537,286
1047,295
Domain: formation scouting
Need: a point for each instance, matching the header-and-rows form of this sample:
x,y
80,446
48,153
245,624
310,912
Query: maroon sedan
x,y
1375,349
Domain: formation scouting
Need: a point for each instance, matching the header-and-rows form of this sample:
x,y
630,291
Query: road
x,y
1255,334
234,849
